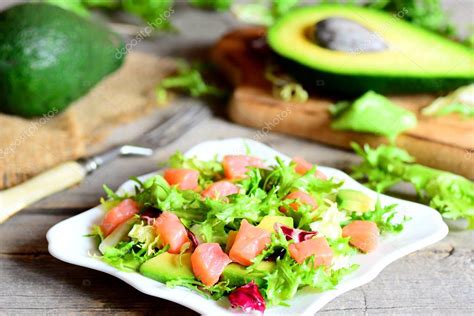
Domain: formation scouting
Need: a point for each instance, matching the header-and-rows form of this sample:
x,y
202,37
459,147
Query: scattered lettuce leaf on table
x,y
263,12
372,113
460,101
383,167
189,79
218,5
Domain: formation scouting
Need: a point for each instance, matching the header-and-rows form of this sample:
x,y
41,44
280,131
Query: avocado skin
x,y
355,85
49,57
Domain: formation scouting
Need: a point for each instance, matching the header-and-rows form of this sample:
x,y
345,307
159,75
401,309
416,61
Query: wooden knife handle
x,y
47,183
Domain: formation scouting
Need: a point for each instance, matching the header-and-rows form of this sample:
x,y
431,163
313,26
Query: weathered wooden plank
x,y
42,282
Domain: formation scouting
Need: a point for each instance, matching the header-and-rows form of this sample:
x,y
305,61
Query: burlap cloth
x,y
28,147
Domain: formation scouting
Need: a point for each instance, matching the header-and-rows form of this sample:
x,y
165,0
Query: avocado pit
x,y
341,34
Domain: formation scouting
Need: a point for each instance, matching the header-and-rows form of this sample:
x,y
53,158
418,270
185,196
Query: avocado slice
x,y
167,267
49,57
354,201
238,275
414,59
268,222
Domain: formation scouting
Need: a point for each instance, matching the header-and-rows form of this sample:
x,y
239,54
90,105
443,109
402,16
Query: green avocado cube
x,y
168,267
354,201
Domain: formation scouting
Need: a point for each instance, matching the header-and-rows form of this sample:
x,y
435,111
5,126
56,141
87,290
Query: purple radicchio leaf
x,y
248,298
298,235
194,240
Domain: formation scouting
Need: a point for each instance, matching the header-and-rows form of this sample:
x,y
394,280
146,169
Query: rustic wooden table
x,y
436,280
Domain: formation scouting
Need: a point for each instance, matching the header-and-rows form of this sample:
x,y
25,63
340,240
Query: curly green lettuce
x,y
288,276
209,171
385,166
190,80
385,218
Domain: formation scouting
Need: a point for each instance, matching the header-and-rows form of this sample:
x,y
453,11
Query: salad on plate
x,y
240,228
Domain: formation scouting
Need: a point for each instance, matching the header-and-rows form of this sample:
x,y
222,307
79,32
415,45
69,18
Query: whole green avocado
x,y
49,57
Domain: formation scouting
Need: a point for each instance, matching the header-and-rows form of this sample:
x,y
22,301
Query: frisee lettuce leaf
x,y
466,111
156,192
129,255
289,276
460,101
209,171
302,217
190,80
329,222
111,195
146,236
341,246
385,166
211,230
215,292
428,14
278,244
218,5
284,178
384,216
96,233
263,12
223,216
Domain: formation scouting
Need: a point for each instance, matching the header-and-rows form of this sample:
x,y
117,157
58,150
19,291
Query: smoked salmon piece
x,y
230,240
302,197
317,247
171,231
220,189
364,235
236,166
302,166
208,262
249,242
186,179
118,215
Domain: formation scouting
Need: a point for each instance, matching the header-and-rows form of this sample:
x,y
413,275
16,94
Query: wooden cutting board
x,y
441,142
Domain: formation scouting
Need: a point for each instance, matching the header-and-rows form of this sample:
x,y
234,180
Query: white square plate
x,y
67,242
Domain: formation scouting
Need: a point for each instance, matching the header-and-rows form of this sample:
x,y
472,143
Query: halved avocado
x,y
414,59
